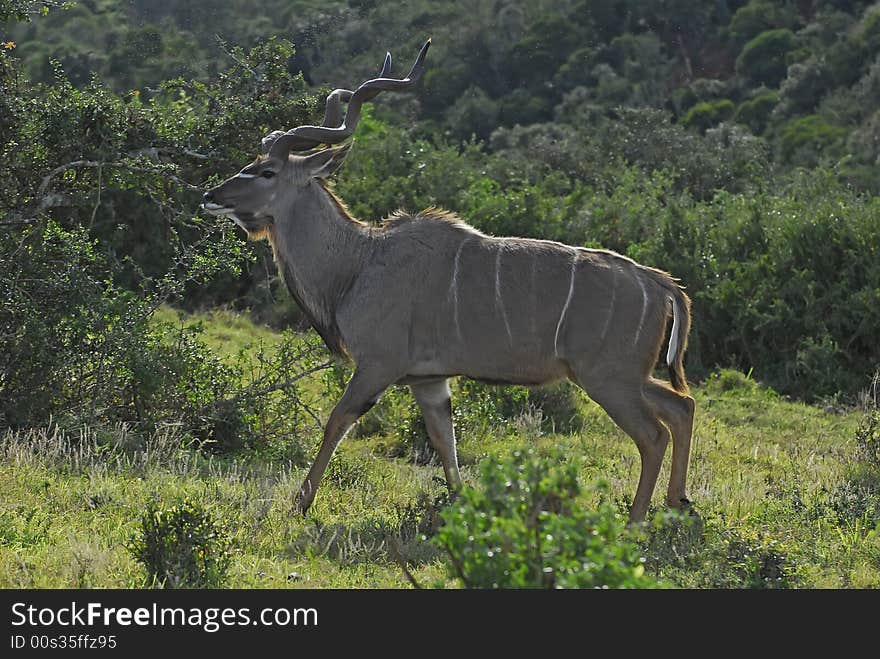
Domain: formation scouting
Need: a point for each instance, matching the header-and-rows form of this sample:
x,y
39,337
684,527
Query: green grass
x,y
783,497
225,332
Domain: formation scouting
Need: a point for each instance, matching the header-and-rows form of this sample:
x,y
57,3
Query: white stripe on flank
x,y
498,301
644,306
453,288
565,306
673,340
610,306
533,296
247,176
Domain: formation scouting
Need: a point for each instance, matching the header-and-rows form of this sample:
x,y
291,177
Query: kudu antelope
x,y
426,297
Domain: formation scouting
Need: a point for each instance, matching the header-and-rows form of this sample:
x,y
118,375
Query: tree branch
x,y
278,386
116,164
397,555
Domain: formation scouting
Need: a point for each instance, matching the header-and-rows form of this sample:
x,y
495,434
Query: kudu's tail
x,y
681,327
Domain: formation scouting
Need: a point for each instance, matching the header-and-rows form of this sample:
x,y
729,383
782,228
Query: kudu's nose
x,y
208,196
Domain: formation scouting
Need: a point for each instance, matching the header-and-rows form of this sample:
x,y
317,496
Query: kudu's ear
x,y
326,162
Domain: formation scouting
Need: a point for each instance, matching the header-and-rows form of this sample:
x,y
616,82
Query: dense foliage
x,y
669,131
98,229
733,143
182,546
525,528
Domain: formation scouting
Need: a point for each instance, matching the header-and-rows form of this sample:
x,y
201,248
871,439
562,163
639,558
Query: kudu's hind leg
x,y
360,395
434,399
630,410
676,411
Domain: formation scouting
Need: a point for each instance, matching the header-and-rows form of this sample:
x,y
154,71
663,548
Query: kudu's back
x,y
515,310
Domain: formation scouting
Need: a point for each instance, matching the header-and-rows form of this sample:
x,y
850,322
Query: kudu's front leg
x,y
361,394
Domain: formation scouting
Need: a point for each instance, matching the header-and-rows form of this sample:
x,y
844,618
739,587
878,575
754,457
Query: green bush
x,y
83,350
526,528
692,553
699,91
729,381
763,59
758,16
782,285
868,432
755,112
182,546
707,114
804,87
869,31
808,140
473,114
58,319
523,107
97,230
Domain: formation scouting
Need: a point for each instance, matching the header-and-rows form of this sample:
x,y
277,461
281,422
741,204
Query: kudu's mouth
x,y
243,220
217,209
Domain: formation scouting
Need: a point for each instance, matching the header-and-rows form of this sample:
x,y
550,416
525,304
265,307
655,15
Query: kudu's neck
x,y
319,250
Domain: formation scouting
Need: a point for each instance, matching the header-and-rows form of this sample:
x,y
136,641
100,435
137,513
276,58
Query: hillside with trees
x,y
733,143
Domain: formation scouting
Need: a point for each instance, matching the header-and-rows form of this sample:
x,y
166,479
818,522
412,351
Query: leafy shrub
x,y
868,31
696,554
846,61
868,432
758,16
473,113
182,546
857,497
729,380
707,114
478,407
558,406
767,275
807,140
698,165
755,112
804,86
762,59
86,351
525,528
57,316
700,90
523,108
542,50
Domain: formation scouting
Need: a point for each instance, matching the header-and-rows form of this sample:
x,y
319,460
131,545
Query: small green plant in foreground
x,y
868,432
182,546
526,527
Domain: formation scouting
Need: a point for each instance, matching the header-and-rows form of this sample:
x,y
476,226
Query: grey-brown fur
x,y
423,298
426,297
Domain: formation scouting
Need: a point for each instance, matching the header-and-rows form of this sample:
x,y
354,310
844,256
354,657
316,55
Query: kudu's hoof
x,y
686,507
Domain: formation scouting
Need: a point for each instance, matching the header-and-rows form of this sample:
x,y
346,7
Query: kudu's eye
x,y
267,173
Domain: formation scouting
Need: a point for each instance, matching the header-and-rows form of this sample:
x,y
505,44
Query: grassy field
x,y
785,494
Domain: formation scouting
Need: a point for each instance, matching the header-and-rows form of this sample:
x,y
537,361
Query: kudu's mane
x,y
398,218
344,212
